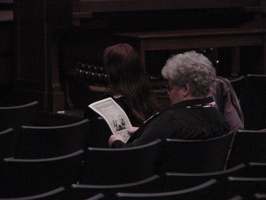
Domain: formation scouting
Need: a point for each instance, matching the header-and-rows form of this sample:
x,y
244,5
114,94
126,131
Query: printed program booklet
x,y
114,115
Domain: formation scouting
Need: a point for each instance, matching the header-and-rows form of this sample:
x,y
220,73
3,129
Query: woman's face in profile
x,y
175,93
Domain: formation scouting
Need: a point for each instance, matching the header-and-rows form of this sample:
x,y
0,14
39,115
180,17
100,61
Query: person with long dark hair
x,y
128,85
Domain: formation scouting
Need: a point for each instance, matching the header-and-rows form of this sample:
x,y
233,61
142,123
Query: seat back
x,y
48,118
248,146
27,177
99,125
117,166
83,191
252,101
7,143
260,195
238,85
201,191
16,116
51,141
246,186
59,193
256,169
179,181
195,156
97,196
236,197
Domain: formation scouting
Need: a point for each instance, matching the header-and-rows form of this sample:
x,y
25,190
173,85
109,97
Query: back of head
x,y
123,65
191,68
127,78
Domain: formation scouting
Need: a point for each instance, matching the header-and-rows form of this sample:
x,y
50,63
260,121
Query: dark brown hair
x,y
127,78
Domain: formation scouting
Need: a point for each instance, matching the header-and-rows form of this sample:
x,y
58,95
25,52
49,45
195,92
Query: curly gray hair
x,y
190,68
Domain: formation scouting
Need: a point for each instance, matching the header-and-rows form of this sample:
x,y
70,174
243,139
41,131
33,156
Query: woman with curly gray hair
x,y
192,114
190,71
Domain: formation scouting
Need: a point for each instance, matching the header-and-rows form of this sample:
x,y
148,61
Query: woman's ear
x,y
186,90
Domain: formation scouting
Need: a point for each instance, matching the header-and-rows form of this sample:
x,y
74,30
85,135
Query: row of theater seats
x,y
28,139
197,165
163,188
57,178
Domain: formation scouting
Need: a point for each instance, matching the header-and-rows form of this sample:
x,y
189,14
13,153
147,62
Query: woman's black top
x,y
191,119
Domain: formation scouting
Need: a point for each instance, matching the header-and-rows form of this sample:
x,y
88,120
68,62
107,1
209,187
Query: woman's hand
x,y
132,130
112,138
